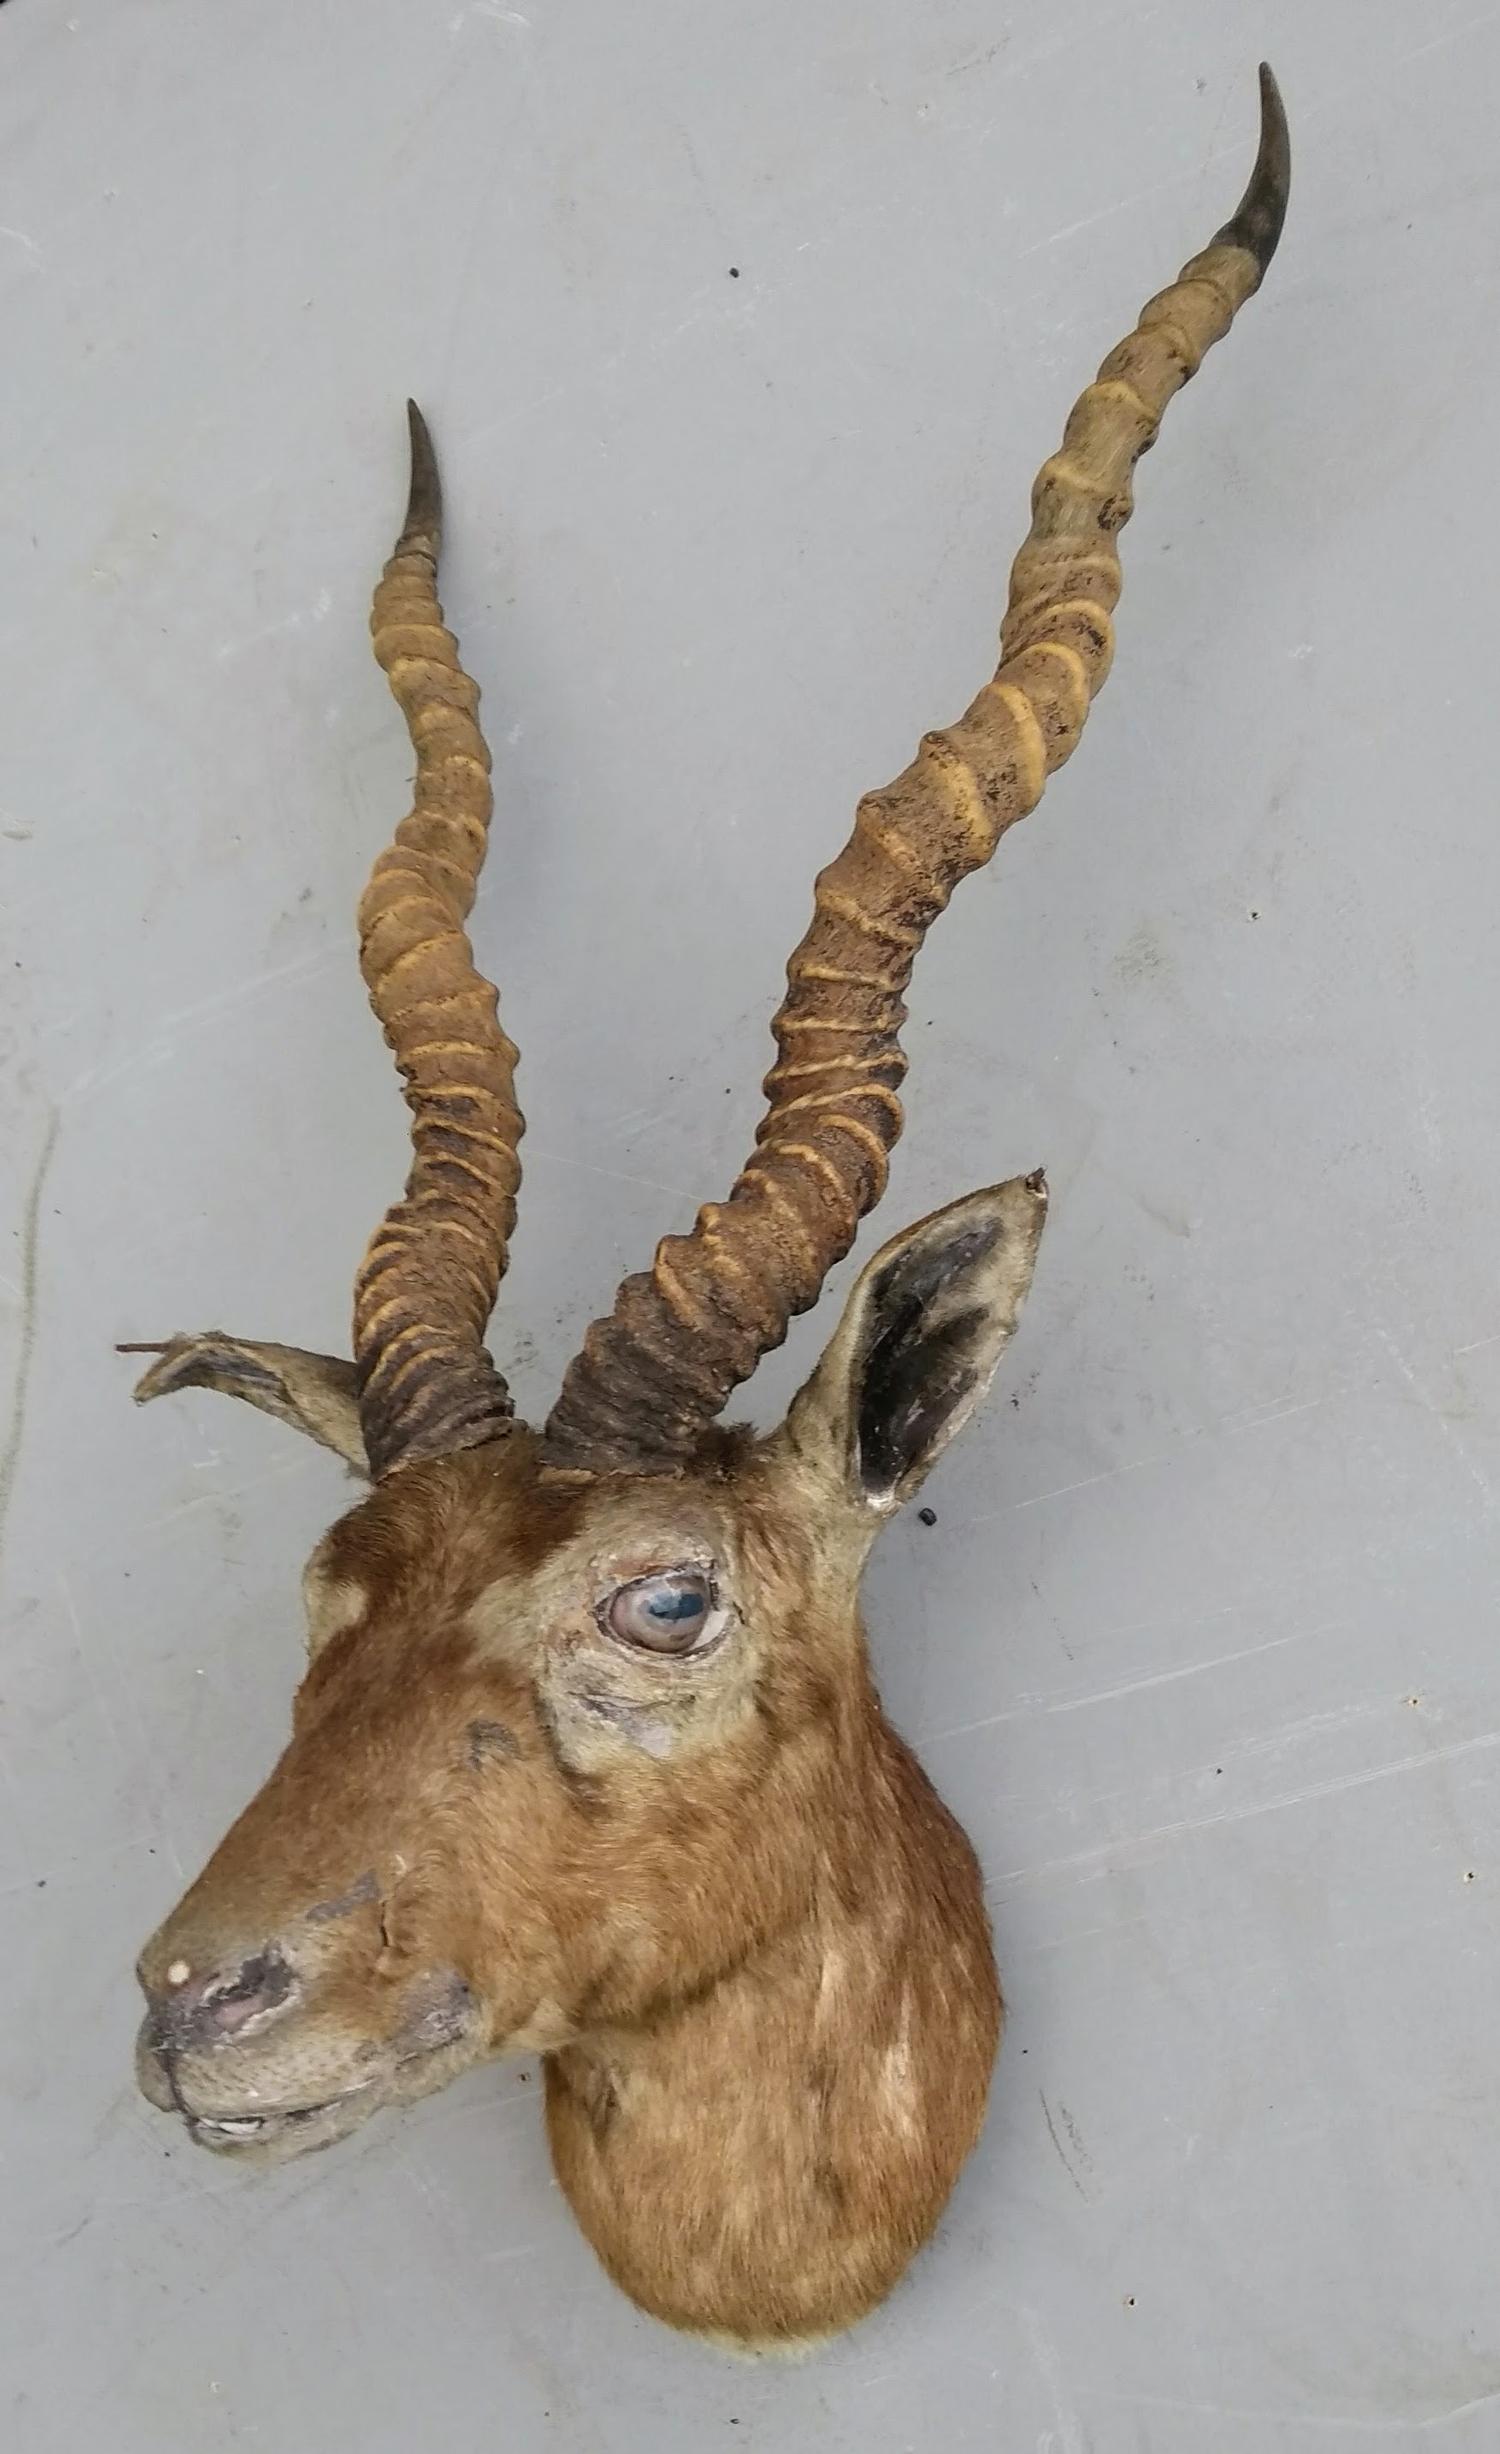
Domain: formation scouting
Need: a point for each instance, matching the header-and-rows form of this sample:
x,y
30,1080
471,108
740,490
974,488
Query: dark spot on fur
x,y
618,1713
820,2079
490,1742
358,1895
848,1889
772,1719
594,2003
591,2087
439,2016
828,2183
724,1450
266,1978
586,1793
822,1697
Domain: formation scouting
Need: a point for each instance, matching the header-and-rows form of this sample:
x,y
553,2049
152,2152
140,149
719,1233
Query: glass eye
x,y
665,1614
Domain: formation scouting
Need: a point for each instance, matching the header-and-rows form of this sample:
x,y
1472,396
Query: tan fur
x,y
758,1961
711,1886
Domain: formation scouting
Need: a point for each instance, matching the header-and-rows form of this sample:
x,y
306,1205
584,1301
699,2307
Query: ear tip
x,y
1021,1202
161,1377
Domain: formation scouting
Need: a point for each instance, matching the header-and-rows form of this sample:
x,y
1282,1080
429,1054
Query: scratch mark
x,y
1090,221
1129,1687
280,1470
976,59
491,9
1261,1417
1461,2411
611,1175
159,1824
1444,42
317,611
1454,1438
1118,1849
15,1431
86,1664
1061,2154
1145,195
1353,2422
1111,1474
555,2386
1071,2439
1278,1412
160,1049
211,2270
442,2206
223,999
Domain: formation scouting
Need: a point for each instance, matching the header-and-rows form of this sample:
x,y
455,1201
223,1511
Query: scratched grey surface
x,y
1204,1644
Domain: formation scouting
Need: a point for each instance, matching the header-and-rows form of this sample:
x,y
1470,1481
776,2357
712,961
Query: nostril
x,y
217,2006
262,1985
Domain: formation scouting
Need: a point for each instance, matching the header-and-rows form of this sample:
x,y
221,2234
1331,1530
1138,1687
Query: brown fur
x,y
713,1888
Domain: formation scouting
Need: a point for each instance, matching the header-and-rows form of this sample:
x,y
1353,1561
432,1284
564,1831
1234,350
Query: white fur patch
x,y
333,1604
897,2084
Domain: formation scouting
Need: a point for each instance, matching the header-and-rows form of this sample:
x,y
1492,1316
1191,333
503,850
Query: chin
x,y
263,2138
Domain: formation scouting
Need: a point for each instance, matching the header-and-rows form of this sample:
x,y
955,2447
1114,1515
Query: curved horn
x,y
427,1284
682,1335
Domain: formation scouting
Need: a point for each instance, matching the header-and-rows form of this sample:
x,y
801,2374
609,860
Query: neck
x,y
761,2158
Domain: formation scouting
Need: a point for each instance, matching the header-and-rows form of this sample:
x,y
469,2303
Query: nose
x,y
208,2007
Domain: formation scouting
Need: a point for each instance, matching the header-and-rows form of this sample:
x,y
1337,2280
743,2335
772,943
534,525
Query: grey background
x,y
1203,1646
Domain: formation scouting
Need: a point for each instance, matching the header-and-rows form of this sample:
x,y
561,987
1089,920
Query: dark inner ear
x,y
914,1374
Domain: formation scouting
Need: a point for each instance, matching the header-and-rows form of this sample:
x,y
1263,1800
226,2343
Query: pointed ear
x,y
316,1394
918,1344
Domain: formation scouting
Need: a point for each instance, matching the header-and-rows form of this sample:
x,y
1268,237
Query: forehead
x,y
437,1541
624,1531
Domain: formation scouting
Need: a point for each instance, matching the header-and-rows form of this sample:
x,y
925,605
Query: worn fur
x,y
710,1885
717,1892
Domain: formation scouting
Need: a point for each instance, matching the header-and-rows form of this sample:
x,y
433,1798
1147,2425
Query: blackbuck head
x,y
586,1758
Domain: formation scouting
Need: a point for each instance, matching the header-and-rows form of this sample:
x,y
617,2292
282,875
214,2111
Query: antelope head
x,y
587,1759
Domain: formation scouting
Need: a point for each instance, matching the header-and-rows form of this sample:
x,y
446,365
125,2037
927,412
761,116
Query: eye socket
x,y
671,1612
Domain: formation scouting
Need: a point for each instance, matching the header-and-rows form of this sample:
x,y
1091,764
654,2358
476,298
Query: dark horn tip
x,y
1256,224
424,504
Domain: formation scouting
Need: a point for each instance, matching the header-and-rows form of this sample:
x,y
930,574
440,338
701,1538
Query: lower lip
x,y
251,2130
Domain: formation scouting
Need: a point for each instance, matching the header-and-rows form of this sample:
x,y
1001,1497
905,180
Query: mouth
x,y
430,2048
301,2124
